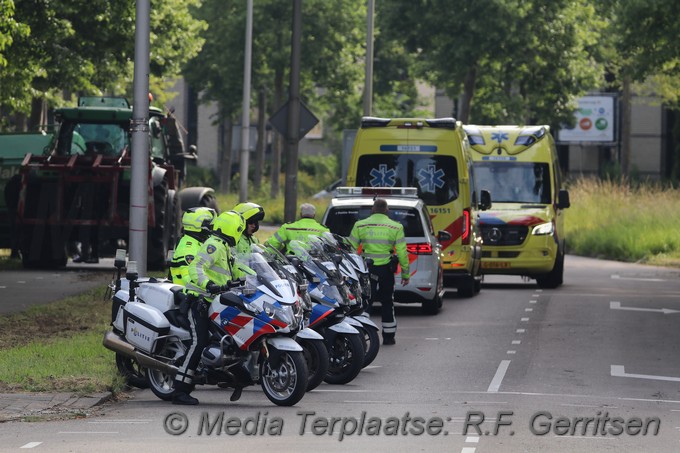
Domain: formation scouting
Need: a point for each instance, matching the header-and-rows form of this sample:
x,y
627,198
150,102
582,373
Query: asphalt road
x,y
22,289
596,356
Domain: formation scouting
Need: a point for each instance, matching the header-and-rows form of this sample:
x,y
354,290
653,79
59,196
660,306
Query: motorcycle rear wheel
x,y
134,374
285,382
346,358
316,356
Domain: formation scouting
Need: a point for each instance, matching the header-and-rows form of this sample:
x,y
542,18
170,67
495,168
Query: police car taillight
x,y
421,248
465,237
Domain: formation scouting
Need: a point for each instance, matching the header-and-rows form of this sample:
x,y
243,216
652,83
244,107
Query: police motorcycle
x,y
253,322
330,304
356,276
313,344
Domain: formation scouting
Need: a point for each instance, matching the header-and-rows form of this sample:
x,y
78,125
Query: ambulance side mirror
x,y
563,199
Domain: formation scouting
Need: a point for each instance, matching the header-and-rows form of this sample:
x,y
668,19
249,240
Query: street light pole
x,y
139,127
245,121
290,202
368,82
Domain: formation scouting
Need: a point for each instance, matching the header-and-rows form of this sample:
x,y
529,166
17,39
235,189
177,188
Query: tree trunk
x,y
278,139
625,126
468,92
225,141
38,114
261,138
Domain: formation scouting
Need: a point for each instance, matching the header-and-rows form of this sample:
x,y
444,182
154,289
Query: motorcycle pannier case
x,y
145,327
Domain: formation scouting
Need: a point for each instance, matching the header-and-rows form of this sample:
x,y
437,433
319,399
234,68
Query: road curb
x,y
21,406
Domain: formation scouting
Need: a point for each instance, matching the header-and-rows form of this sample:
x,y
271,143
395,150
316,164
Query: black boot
x,y
388,339
237,394
184,399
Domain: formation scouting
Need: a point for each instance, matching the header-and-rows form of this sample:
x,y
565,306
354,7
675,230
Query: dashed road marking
x,y
31,445
620,371
511,352
614,305
498,377
524,319
528,309
516,342
521,330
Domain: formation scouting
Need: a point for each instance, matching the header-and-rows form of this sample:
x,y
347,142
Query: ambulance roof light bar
x,y
344,192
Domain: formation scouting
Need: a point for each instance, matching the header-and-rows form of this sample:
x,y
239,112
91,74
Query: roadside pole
x,y
293,137
139,127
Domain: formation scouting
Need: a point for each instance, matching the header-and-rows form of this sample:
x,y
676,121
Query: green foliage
x,y
517,61
88,46
620,221
201,176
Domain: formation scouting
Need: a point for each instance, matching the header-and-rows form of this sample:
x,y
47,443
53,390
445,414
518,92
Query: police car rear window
x,y
341,220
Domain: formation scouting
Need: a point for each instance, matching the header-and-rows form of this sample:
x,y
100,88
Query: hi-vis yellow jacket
x,y
298,230
379,235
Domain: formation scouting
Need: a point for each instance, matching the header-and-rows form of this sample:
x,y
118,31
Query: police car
x,y
423,245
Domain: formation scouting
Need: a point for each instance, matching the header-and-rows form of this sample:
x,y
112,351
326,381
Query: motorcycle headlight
x,y
543,229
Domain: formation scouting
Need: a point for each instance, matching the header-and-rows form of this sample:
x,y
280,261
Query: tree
x,y
526,64
88,46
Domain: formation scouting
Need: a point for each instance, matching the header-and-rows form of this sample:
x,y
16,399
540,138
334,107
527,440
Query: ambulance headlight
x,y
543,229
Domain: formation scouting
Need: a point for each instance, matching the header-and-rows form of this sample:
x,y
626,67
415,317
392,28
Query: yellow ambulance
x,y
524,232
431,155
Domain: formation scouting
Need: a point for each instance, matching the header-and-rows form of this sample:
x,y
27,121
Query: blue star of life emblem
x,y
382,176
499,136
430,178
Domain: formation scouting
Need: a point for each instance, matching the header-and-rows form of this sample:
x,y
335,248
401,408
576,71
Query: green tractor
x,y
73,197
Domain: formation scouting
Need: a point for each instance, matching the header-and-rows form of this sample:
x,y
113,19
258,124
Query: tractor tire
x,y
160,237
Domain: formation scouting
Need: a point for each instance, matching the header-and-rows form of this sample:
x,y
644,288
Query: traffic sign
x,y
279,120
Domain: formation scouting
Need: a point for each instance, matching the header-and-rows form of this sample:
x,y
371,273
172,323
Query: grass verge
x,y
58,347
625,223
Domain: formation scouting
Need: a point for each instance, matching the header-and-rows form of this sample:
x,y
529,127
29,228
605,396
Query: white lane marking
x,y
498,377
511,352
431,339
472,439
3,287
21,281
524,319
516,342
528,309
372,366
110,422
532,301
613,305
618,277
31,445
619,371
520,330
340,390
468,450
88,432
587,405
447,338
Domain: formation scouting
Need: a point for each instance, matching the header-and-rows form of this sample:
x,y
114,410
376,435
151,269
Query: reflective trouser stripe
x,y
389,327
183,374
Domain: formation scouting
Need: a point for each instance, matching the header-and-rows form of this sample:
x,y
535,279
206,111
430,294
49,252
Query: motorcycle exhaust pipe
x,y
118,344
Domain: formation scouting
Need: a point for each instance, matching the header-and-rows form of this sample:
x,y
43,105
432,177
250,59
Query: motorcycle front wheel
x,y
284,380
346,357
316,356
371,340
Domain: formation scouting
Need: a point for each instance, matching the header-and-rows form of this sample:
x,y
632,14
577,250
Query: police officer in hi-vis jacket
x,y
378,236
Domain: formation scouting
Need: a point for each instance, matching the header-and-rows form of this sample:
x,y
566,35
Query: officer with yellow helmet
x,y
252,213
212,268
378,236
196,224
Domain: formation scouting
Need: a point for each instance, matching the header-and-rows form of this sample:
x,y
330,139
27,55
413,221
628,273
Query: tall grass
x,y
623,222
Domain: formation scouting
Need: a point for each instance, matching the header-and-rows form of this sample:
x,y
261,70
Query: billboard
x,y
595,122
